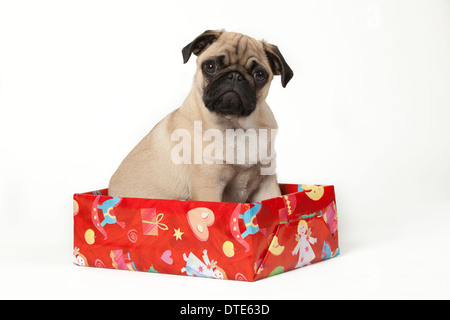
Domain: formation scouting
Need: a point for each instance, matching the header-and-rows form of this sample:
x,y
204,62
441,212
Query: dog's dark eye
x,y
211,67
259,75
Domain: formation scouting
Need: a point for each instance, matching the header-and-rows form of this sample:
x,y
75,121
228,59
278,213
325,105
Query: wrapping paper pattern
x,y
235,241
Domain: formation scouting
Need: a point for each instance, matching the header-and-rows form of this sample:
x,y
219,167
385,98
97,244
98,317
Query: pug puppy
x,y
233,76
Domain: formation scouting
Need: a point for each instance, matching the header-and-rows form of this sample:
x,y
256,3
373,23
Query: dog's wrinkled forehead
x,y
237,49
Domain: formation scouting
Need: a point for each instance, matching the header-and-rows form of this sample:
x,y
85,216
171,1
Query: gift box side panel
x,y
176,237
300,217
298,244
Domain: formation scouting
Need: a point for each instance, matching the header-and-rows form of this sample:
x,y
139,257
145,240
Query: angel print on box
x,y
303,247
197,268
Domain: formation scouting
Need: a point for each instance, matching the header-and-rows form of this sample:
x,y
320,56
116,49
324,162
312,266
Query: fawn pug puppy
x,y
230,86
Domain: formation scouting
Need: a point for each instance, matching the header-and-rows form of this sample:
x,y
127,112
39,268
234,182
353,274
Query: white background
x,y
368,110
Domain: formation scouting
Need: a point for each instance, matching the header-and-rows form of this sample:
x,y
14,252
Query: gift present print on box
x,y
234,241
151,222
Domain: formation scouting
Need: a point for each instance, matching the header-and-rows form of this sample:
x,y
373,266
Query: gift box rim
x,y
93,194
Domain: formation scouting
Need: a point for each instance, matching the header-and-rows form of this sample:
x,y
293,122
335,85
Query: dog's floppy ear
x,y
278,64
200,43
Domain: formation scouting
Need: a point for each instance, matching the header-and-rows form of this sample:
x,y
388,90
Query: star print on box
x,y
233,241
178,234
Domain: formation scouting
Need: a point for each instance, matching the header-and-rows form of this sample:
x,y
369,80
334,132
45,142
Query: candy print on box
x,y
232,241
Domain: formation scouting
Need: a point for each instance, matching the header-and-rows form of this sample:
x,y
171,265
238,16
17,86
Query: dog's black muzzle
x,y
230,94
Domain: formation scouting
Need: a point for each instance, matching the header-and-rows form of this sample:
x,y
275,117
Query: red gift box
x,y
237,241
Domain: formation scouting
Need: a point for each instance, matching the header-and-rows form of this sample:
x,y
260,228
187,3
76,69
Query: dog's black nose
x,y
235,76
